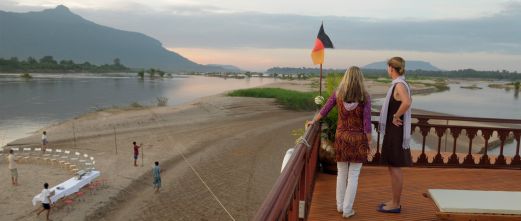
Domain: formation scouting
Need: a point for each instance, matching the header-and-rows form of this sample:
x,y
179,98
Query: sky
x,y
259,34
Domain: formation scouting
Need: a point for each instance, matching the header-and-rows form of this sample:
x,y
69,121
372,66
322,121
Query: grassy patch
x,y
383,80
293,100
440,86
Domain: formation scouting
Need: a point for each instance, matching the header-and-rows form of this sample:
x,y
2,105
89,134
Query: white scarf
x,y
407,115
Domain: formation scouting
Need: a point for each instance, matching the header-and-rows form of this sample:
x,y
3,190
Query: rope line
x,y
194,170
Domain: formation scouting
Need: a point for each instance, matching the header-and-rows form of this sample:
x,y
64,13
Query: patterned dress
x,y
350,141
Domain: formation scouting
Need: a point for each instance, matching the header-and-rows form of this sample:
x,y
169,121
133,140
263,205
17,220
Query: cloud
x,y
203,27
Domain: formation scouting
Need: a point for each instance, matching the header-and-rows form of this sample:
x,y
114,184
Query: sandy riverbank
x,y
235,144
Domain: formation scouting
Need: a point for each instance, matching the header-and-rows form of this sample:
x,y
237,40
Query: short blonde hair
x,y
398,64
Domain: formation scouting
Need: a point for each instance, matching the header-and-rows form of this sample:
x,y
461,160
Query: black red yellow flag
x,y
322,41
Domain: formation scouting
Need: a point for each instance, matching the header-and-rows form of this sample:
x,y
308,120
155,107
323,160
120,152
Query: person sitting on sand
x,y
156,173
12,167
136,152
44,141
46,200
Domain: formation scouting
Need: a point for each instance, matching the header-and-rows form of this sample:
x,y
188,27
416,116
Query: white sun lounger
x,y
476,205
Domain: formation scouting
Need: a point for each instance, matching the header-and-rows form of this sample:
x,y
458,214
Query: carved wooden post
x,y
422,159
440,131
455,132
485,160
471,133
503,134
517,159
423,121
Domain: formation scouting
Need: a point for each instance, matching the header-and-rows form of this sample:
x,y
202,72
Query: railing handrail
x,y
503,134
463,127
295,183
460,118
280,196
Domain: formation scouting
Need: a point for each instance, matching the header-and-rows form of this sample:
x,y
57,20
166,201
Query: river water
x,y
28,105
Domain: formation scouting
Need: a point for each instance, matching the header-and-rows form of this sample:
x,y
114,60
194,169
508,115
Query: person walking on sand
x,y
156,173
46,195
44,141
353,135
395,124
13,168
136,152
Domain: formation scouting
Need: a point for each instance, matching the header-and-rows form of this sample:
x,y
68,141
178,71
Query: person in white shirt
x,y
44,141
12,167
46,200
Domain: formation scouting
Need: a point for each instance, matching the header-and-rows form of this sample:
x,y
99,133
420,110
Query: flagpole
x,y
321,79
321,25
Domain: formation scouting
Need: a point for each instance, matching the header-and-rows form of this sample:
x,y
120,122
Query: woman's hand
x,y
397,121
309,123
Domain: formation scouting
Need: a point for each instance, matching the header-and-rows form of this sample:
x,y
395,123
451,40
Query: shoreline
x,y
215,121
222,138
378,92
298,85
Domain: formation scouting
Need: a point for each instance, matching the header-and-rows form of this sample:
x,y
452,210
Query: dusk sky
x,y
259,34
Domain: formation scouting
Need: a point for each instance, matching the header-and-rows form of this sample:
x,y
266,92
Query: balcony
x,y
302,193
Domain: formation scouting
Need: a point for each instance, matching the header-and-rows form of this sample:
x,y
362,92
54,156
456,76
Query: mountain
x,y
64,35
229,68
409,65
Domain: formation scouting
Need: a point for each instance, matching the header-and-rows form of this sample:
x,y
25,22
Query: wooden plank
x,y
374,187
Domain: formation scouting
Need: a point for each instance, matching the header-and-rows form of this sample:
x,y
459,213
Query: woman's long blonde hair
x,y
352,88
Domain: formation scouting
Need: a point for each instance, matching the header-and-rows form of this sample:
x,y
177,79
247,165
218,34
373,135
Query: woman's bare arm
x,y
403,96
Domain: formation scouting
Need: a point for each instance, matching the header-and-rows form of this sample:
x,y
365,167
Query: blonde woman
x,y
395,124
353,135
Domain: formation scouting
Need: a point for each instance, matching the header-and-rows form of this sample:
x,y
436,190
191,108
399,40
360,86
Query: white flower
x,y
319,100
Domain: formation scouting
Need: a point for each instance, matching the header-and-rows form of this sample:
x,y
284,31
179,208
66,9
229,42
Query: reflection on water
x,y
487,102
28,105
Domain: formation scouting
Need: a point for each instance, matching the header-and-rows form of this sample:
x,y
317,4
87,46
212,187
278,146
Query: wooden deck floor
x,y
374,187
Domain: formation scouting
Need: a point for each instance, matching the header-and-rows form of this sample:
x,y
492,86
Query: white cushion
x,y
473,201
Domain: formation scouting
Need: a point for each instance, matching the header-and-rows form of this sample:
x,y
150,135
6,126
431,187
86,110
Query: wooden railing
x,y
290,197
503,129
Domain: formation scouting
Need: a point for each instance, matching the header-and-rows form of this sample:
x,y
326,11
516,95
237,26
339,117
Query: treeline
x,y
47,64
464,73
302,70
153,73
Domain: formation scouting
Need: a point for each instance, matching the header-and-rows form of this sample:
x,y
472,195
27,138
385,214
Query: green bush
x,y
162,101
26,76
330,121
141,74
161,73
136,104
293,100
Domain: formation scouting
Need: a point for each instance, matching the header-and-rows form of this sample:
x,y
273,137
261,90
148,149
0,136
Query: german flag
x,y
323,41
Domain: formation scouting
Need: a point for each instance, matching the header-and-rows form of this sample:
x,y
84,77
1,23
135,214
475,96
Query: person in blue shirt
x,y
156,174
